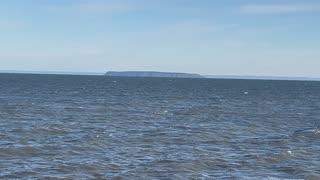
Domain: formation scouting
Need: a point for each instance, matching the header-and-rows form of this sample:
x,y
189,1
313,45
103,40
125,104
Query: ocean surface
x,y
95,127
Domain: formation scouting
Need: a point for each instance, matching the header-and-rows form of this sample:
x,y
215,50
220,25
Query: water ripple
x,y
79,127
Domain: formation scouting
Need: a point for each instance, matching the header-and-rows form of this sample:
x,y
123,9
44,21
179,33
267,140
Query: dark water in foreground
x,y
82,127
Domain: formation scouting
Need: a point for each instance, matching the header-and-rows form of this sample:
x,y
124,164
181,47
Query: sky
x,y
216,37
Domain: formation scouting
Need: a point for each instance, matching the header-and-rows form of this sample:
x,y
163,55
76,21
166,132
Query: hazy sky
x,y
219,37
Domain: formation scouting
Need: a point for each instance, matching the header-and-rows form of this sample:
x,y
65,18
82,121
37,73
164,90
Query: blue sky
x,y
229,37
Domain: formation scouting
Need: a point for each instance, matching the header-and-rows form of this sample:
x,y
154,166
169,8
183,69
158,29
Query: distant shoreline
x,y
152,74
227,77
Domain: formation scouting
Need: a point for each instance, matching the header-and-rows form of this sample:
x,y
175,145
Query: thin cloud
x,y
194,27
95,7
103,7
11,24
278,8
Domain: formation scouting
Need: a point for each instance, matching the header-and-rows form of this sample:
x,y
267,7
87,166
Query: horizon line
x,y
209,76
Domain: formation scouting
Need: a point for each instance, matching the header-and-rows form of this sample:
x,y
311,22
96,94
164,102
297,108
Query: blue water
x,y
95,127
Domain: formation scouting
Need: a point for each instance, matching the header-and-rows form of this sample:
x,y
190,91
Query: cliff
x,y
152,74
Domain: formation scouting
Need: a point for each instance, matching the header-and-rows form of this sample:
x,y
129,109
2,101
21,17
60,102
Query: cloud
x,y
278,8
95,7
11,24
192,28
103,7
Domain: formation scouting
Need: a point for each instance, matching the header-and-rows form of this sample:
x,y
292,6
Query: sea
x,y
97,127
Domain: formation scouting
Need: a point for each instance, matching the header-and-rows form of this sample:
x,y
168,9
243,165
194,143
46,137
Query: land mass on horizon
x,y
152,74
249,77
